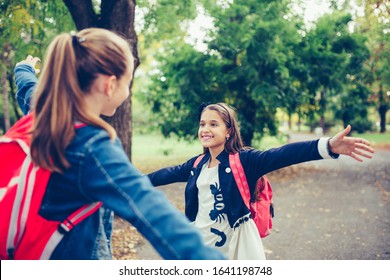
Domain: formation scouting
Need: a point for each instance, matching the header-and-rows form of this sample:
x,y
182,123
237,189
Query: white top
x,y
244,242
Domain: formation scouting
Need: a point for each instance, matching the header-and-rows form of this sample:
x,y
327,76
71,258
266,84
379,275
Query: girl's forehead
x,y
210,115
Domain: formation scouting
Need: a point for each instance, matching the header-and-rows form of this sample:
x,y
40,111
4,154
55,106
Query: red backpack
x,y
24,234
261,208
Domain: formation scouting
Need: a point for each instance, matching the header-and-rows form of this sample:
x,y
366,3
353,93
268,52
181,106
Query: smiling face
x,y
212,131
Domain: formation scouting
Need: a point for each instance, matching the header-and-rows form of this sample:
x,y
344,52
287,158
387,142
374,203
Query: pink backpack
x,y
261,208
24,234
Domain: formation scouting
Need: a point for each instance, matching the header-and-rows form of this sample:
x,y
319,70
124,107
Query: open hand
x,y
350,146
31,61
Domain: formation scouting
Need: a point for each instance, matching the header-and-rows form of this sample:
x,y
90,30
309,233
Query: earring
x,y
227,138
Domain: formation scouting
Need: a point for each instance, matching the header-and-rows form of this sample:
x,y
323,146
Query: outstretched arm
x,y
26,80
350,146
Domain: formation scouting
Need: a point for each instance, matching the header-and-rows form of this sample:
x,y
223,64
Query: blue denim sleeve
x,y
108,176
26,81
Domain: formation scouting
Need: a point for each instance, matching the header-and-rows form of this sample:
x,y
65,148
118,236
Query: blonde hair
x,y
71,65
229,117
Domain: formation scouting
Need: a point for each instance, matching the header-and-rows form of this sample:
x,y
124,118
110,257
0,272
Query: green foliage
x,y
174,91
245,65
361,124
336,59
30,25
162,19
26,28
375,25
261,57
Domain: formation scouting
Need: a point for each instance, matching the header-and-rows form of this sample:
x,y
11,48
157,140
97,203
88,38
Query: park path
x,y
324,210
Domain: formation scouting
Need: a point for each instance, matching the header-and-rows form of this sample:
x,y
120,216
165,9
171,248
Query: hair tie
x,y
76,40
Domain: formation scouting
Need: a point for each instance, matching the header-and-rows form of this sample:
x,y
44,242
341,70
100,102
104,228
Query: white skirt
x,y
246,243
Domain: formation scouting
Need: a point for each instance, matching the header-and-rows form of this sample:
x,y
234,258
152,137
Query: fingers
x,y
35,59
365,147
355,157
361,148
361,153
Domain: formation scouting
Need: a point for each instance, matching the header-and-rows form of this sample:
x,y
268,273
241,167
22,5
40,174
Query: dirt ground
x,y
324,210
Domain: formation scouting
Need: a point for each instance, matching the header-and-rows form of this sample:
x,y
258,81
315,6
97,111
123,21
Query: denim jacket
x,y
101,171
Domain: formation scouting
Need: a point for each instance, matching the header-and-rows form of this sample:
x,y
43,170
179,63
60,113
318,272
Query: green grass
x,y
153,151
376,139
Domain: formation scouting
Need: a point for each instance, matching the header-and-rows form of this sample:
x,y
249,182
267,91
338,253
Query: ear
x,y
110,86
229,132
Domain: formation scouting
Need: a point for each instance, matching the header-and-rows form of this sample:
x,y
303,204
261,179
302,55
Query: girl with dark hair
x,y
212,200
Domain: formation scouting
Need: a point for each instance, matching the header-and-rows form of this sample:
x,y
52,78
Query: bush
x,y
361,125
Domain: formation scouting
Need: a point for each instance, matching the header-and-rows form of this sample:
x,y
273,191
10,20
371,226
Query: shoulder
x,y
249,153
95,140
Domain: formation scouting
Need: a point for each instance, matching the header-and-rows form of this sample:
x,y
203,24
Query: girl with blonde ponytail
x,y
84,76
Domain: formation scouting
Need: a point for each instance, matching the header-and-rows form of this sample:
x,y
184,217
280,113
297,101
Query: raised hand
x,y
31,61
350,146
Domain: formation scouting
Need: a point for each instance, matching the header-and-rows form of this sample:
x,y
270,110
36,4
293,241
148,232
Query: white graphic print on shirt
x,y
212,219
242,243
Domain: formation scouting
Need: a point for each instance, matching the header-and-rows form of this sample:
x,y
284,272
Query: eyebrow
x,y
210,121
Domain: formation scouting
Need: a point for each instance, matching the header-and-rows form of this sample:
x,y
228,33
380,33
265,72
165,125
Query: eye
x,y
214,124
201,124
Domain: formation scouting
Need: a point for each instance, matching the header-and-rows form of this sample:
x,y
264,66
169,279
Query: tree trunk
x,y
382,114
382,109
6,57
322,110
289,121
7,122
14,102
299,120
117,16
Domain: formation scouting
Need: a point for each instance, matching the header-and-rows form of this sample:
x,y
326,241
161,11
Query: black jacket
x,y
255,163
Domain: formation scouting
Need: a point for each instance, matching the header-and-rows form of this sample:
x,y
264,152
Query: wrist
x,y
329,148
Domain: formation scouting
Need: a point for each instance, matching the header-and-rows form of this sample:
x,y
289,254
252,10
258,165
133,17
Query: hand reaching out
x,y
350,146
31,61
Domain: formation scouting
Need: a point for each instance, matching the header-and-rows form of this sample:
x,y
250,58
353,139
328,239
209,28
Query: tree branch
x,y
82,13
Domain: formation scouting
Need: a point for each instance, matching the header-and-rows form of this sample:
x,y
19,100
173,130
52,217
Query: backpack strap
x,y
67,225
240,177
197,161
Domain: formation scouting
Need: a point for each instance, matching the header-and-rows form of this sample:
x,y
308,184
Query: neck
x,y
215,152
93,104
